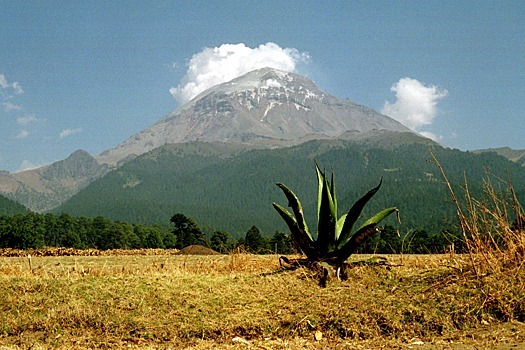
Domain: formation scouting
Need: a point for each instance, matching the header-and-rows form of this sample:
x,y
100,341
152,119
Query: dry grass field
x,y
242,301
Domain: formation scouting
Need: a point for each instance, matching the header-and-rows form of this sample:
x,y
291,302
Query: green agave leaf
x,y
301,237
353,215
297,208
287,217
339,225
339,256
327,221
380,216
332,192
320,185
368,229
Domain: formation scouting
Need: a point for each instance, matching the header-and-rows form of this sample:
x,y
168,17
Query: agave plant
x,y
335,241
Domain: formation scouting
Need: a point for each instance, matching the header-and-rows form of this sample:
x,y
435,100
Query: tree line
x,y
33,230
388,241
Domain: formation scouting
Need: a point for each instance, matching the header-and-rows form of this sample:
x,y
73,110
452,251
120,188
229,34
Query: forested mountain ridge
x,y
231,189
10,207
515,155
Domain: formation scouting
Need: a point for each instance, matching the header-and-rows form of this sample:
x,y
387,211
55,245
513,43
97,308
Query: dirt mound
x,y
197,250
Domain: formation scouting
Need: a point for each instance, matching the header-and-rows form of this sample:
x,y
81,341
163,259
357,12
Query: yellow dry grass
x,y
245,301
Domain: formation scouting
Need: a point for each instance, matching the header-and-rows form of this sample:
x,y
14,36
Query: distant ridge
x,y
515,155
46,187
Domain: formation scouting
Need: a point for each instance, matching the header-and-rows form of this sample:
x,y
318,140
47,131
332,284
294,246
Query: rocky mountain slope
x,y
46,187
265,107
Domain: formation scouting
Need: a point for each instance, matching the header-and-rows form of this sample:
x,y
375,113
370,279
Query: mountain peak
x,y
266,107
262,79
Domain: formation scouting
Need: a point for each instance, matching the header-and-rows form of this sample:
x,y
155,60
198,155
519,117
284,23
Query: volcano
x,y
266,107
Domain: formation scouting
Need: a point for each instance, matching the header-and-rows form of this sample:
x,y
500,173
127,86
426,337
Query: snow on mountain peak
x,y
265,106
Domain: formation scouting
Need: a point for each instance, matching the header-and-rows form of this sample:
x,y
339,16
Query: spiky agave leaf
x,y
332,192
320,185
353,215
295,204
301,237
367,229
339,225
339,256
380,216
326,226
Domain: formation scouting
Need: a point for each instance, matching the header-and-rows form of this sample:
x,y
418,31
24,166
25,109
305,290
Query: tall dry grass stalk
x,y
492,226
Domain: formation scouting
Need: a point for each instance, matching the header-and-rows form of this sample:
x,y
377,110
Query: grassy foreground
x,y
243,301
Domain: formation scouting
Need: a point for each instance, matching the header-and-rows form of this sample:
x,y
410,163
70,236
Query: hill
x,y
515,155
46,187
10,207
230,188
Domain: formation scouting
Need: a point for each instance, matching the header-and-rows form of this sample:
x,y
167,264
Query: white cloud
x,y
213,66
8,106
6,93
18,89
416,104
27,119
15,86
3,82
68,132
22,134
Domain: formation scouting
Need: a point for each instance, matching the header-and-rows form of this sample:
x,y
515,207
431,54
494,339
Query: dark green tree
x,y
26,231
65,234
420,242
187,231
154,239
100,227
222,242
390,241
254,242
281,243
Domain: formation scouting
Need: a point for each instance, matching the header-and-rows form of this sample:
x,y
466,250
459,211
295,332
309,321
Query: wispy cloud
x,y
9,106
27,119
7,92
8,88
68,132
17,88
22,134
415,105
3,82
216,65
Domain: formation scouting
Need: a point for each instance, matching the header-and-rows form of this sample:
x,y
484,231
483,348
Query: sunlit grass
x,y
181,301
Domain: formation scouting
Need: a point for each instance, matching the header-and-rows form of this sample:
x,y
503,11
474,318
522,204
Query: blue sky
x,y
89,74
